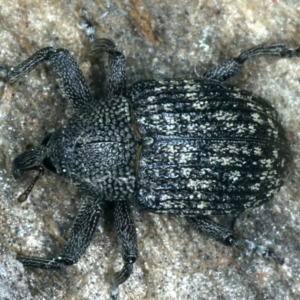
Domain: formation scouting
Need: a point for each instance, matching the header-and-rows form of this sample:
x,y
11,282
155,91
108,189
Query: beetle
x,y
185,147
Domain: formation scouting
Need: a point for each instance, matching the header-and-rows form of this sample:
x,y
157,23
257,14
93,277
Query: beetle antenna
x,y
23,197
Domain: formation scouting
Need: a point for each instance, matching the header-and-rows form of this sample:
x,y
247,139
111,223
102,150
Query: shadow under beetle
x,y
191,148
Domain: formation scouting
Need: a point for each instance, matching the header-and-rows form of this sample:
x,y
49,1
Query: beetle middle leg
x,y
232,66
226,236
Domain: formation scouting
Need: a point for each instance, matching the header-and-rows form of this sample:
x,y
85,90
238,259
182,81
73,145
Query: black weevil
x,y
190,148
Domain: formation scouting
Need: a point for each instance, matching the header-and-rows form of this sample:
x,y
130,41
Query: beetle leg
x,y
227,237
81,236
73,82
232,66
116,64
125,228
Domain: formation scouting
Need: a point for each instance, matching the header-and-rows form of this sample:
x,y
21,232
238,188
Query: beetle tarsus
x,y
232,66
39,262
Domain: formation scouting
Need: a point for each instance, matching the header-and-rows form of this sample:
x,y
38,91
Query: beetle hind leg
x,y
232,66
227,237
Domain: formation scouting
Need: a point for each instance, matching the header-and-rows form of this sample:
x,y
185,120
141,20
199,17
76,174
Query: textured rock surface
x,y
158,40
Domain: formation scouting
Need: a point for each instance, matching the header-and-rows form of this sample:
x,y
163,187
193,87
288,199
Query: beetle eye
x,y
49,165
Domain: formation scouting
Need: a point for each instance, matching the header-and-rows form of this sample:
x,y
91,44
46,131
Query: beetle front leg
x,y
61,60
232,66
125,228
116,61
81,236
227,237
116,64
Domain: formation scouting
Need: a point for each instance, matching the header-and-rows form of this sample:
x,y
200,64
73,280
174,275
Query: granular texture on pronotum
x,y
185,147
